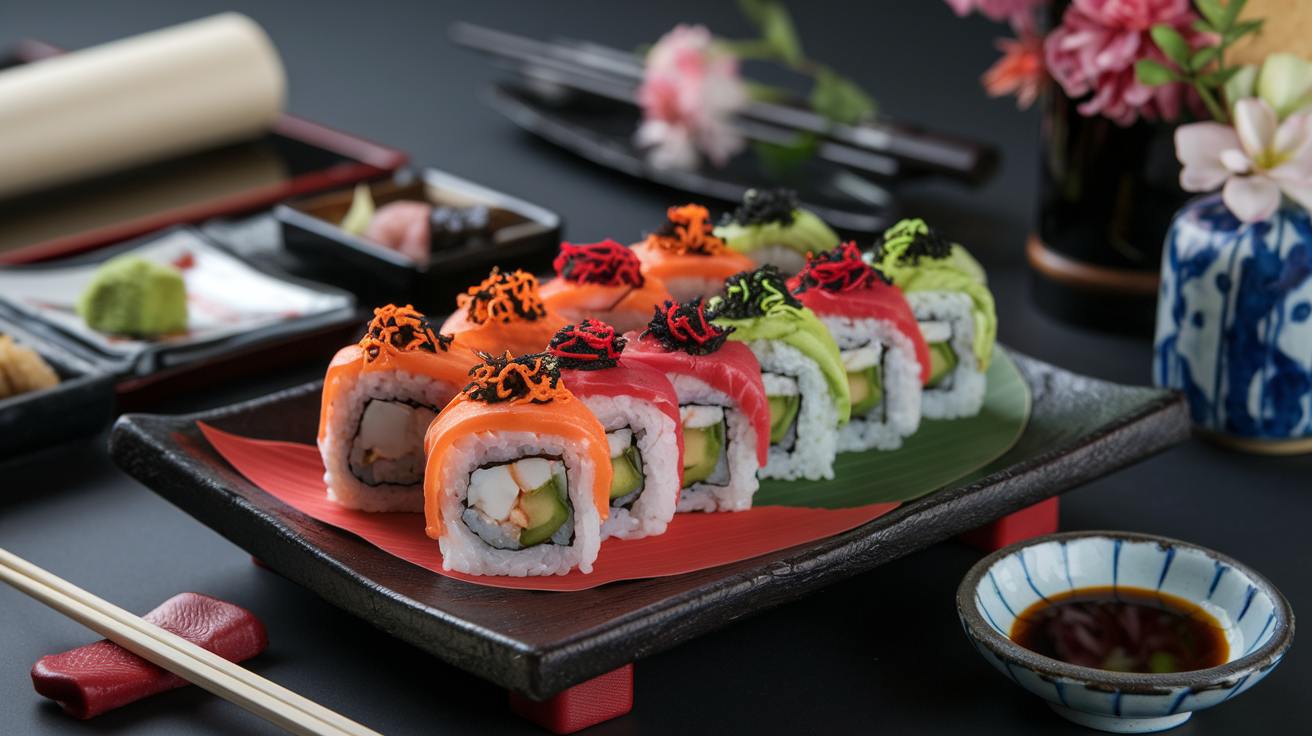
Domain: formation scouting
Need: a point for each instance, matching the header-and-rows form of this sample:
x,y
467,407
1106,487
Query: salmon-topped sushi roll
x,y
504,313
687,257
603,281
519,474
378,399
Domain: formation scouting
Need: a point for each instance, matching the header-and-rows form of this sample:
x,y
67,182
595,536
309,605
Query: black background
x,y
882,652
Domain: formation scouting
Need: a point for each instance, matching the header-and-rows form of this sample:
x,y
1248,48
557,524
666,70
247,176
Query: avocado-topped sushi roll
x,y
519,474
504,313
602,281
800,366
774,230
722,404
883,352
687,257
946,289
639,409
378,399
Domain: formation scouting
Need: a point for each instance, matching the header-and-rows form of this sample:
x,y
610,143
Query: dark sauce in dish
x,y
1123,630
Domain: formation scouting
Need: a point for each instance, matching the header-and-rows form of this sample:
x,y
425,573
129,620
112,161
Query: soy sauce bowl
x,y
1257,621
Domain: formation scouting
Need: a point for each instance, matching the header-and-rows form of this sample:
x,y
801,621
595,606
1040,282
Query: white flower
x,y
689,91
1256,160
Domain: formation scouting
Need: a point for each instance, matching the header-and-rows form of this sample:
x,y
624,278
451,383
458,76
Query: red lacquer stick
x,y
90,680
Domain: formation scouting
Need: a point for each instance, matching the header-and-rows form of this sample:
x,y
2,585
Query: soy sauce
x,y
1124,630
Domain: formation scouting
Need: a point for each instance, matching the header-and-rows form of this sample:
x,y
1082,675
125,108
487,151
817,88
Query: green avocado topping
x,y
759,307
917,259
773,217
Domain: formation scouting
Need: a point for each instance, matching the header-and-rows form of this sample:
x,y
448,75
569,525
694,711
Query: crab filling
x,y
389,444
520,504
704,457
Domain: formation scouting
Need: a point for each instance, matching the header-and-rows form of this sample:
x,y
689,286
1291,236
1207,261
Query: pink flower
x,y
1020,71
995,10
689,91
1095,48
1256,160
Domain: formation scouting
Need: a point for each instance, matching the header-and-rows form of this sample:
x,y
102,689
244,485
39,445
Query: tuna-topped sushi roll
x,y
518,478
378,400
722,404
639,409
504,313
883,352
772,229
800,366
945,287
603,281
687,257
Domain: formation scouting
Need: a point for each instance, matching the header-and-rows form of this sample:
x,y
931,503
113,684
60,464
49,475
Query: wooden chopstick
x,y
262,697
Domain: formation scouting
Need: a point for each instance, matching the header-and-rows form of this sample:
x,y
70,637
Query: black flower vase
x,y
1107,196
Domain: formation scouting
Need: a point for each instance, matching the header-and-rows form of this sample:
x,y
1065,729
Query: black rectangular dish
x,y
520,232
80,406
539,644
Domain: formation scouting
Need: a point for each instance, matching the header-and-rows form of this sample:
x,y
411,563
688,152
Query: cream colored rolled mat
x,y
147,98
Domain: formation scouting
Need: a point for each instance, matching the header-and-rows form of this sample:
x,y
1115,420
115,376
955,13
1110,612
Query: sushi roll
x,y
603,281
685,255
883,352
722,405
801,368
639,409
378,399
946,289
772,229
504,313
519,475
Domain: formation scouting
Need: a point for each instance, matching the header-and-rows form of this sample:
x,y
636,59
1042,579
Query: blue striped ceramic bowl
x,y
1258,623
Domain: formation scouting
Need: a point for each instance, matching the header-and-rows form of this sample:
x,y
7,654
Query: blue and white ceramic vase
x,y
1234,324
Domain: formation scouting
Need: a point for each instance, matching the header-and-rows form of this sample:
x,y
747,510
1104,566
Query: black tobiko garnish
x,y
590,346
838,270
765,207
403,328
752,294
919,240
533,378
687,328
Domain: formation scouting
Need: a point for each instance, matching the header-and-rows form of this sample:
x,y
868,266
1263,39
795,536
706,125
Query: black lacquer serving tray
x,y
539,644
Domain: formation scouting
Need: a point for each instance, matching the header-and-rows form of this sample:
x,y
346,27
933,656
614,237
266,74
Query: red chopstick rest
x,y
587,704
90,680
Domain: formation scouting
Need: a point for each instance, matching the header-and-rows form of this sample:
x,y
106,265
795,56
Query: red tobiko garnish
x,y
606,264
685,327
590,346
839,270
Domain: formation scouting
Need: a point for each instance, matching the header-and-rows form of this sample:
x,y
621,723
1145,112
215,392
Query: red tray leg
x,y
1035,521
599,699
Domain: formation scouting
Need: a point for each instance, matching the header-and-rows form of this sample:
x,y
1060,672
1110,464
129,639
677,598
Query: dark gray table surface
x,y
881,652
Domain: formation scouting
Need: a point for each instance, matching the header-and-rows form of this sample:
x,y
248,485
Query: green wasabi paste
x,y
759,307
917,260
129,295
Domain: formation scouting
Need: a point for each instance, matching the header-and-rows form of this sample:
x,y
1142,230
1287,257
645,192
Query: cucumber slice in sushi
x,y
866,389
701,452
546,511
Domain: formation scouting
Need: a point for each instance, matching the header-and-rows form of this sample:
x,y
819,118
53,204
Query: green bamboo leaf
x,y
1155,74
838,98
1213,11
1172,44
